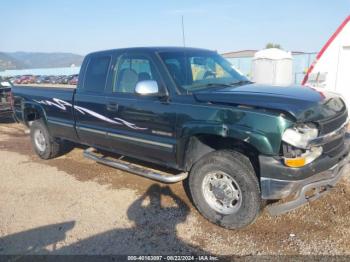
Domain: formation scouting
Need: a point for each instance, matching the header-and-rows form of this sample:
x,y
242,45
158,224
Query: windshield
x,y
195,70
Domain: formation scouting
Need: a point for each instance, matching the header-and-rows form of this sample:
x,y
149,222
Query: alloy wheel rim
x,y
222,192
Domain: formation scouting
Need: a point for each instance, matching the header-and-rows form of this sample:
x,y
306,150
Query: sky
x,y
83,26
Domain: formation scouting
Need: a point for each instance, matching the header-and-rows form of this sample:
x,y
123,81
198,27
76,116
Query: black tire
x,y
50,147
238,167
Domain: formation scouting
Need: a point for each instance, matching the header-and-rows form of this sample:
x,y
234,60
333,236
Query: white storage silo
x,y
272,66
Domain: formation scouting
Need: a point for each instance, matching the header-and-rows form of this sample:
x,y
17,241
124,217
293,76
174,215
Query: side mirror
x,y
147,88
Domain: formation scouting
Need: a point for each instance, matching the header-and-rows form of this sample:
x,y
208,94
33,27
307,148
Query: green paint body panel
x,y
261,130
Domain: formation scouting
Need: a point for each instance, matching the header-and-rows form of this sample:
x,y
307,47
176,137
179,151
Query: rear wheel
x,y
225,189
44,145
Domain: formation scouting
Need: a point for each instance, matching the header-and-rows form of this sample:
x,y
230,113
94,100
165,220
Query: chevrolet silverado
x,y
234,143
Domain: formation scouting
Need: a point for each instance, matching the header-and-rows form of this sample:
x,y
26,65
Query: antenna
x,y
183,31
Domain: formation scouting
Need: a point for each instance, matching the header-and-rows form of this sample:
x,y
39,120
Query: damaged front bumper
x,y
300,185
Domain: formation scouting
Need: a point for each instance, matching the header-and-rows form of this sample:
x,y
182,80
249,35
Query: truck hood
x,y
303,103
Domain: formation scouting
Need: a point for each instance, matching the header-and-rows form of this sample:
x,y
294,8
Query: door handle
x,y
112,107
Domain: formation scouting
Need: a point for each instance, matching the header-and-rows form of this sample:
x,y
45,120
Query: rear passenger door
x,y
146,126
90,102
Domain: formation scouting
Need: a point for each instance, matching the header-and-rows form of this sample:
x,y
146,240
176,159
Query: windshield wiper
x,y
211,85
241,82
218,85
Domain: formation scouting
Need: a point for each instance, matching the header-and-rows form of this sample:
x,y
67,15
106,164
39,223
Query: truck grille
x,y
329,125
332,148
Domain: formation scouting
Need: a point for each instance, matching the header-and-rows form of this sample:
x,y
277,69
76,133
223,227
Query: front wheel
x,y
225,189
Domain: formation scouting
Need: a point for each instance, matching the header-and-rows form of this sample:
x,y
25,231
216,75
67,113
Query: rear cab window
x,y
96,74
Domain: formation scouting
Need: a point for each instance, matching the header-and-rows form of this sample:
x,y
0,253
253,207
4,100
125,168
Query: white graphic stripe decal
x,y
61,104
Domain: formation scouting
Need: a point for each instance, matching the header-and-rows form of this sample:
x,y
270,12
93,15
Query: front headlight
x,y
300,136
296,150
303,159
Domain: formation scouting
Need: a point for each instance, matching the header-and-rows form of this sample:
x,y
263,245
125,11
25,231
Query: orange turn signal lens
x,y
295,162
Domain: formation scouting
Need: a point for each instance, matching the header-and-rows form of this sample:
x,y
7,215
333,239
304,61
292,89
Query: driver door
x,y
144,125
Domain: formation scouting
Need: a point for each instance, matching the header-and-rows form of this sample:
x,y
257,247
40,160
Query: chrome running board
x,y
132,168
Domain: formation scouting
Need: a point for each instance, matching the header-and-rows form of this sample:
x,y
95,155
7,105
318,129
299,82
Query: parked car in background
x,y
25,79
74,80
65,80
5,99
53,80
60,79
68,78
47,80
40,79
20,79
29,80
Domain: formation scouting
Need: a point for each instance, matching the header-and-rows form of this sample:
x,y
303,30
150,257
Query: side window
x,y
96,74
131,70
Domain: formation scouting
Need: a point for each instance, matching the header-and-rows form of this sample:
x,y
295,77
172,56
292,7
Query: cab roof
x,y
151,49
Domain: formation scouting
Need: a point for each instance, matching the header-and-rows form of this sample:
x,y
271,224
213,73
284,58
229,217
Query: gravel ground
x,y
70,205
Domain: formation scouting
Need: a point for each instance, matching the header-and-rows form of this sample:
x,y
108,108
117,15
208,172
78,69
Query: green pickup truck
x,y
187,111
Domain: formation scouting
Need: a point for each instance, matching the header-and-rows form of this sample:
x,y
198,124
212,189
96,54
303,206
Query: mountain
x,y
26,60
8,62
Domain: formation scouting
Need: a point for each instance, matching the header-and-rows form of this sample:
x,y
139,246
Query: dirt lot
x,y
71,205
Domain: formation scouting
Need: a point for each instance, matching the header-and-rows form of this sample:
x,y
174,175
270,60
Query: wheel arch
x,y
200,145
32,112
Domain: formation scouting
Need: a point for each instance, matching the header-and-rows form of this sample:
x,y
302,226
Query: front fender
x,y
262,131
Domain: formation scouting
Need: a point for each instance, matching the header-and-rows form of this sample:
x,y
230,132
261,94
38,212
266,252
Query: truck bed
x,y
40,92
39,96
